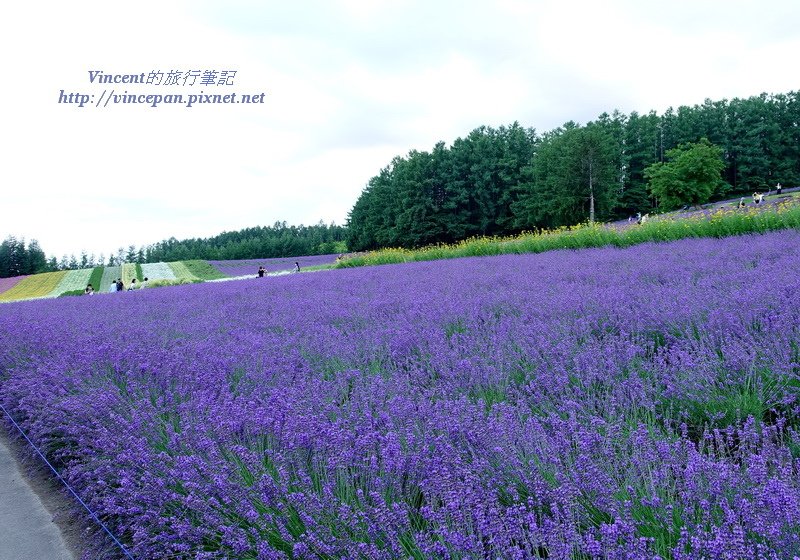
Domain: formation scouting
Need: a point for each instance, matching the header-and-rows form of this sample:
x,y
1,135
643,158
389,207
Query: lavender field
x,y
594,404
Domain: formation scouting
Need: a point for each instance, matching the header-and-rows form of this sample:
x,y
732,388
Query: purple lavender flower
x,y
604,403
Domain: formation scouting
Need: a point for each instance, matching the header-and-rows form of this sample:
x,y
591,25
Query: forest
x,y
501,181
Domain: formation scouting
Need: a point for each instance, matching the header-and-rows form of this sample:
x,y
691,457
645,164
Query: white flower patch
x,y
157,271
73,280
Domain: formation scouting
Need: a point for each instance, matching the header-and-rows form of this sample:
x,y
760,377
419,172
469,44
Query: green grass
x,y
96,277
181,271
317,267
203,270
70,293
722,223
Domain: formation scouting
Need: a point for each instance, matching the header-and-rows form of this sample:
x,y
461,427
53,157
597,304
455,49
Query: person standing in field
x,y
133,285
120,285
296,266
89,291
261,271
113,287
778,188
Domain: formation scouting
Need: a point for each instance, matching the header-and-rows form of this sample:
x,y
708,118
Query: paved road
x,y
27,531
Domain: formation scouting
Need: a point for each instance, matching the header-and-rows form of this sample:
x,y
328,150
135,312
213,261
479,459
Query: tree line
x,y
501,181
278,240
18,258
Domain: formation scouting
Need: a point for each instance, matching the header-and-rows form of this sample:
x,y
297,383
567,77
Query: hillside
x,y
74,282
711,220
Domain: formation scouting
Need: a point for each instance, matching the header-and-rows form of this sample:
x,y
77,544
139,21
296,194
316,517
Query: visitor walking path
x,y
27,530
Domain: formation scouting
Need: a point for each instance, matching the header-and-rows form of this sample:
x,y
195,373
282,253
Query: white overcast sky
x,y
349,85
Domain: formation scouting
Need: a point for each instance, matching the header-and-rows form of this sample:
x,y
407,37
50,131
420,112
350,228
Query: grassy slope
x,y
203,270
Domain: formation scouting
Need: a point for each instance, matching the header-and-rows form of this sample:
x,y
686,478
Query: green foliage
x,y
758,394
691,177
139,272
448,194
96,278
315,268
70,293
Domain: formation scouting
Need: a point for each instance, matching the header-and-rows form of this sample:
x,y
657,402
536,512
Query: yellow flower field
x,y
38,285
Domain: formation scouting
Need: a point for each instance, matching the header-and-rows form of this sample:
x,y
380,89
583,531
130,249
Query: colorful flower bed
x,y
74,280
250,266
605,403
36,286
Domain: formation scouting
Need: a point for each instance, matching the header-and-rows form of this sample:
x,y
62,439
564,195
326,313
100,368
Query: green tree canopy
x,y
692,174
445,195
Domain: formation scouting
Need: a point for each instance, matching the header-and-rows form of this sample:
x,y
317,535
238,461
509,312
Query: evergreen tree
x,y
36,260
575,178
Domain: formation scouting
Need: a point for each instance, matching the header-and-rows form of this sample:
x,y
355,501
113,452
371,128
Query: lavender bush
x,y
603,404
250,266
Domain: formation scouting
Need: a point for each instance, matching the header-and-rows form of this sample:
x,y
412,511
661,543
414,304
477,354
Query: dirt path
x,y
29,503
